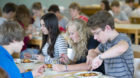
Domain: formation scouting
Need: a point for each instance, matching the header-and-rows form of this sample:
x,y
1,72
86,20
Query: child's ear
x,y
107,27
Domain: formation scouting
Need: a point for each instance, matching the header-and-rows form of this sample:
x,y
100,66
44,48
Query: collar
x,y
114,39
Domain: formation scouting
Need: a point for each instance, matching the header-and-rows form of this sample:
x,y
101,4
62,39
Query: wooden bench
x,y
135,20
90,10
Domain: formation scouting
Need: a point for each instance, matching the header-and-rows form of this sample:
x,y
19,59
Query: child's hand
x,y
40,57
39,71
64,59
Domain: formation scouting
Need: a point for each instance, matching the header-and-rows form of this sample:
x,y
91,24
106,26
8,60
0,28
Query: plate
x,y
17,61
35,61
88,74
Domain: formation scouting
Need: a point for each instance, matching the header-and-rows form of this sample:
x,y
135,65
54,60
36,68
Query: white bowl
x,y
98,74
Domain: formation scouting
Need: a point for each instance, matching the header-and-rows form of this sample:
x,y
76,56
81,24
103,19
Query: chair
x,y
137,67
90,10
136,49
135,20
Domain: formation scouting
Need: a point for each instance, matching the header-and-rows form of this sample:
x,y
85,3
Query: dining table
x,y
49,73
129,29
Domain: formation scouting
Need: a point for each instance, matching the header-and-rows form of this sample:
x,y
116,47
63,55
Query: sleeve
x,y
128,11
27,75
61,49
111,13
101,47
66,22
134,13
12,70
125,38
62,46
124,16
92,44
45,49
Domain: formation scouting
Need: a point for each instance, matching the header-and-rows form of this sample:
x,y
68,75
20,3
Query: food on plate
x,y
28,70
26,61
49,65
88,74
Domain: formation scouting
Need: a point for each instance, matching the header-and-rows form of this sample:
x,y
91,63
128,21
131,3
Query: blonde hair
x,y
80,47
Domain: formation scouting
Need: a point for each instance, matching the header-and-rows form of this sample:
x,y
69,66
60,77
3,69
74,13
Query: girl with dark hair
x,y
105,5
53,44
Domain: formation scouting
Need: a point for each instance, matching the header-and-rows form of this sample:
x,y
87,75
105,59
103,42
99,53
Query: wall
x,y
47,3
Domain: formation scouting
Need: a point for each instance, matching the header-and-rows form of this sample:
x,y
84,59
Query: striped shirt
x,y
121,66
60,47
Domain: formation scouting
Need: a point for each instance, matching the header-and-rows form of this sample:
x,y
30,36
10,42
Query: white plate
x,y
17,61
35,61
98,74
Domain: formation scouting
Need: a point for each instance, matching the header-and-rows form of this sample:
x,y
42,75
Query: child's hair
x,y
9,7
3,74
115,3
106,3
54,8
51,24
37,6
10,31
75,5
80,47
100,20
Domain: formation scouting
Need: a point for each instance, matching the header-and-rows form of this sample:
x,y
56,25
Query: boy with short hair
x,y
11,40
119,15
114,49
63,20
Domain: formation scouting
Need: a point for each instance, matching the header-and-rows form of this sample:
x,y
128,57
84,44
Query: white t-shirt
x,y
63,22
2,20
136,13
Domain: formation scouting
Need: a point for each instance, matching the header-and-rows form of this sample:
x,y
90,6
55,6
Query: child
x,y
11,40
114,49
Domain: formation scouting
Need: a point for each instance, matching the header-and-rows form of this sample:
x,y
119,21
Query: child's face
x,y
18,45
73,34
102,6
36,12
11,15
115,9
43,27
99,35
74,12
